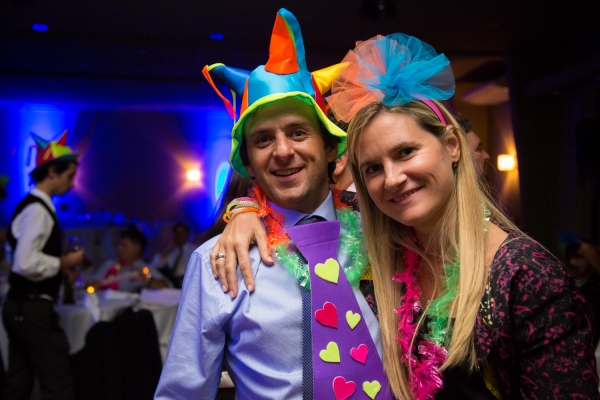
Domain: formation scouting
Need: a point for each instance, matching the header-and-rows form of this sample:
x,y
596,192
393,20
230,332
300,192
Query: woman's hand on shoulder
x,y
241,232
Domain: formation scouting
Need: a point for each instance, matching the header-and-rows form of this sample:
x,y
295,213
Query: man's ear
x,y
249,170
52,171
340,164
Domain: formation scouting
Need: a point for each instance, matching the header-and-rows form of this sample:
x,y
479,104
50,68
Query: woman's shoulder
x,y
523,267
520,252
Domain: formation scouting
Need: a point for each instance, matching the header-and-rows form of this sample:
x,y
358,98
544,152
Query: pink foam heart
x,y
343,389
360,353
327,315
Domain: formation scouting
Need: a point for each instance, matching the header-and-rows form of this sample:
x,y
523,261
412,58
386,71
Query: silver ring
x,y
219,255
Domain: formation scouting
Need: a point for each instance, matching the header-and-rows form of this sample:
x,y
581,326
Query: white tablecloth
x,y
77,320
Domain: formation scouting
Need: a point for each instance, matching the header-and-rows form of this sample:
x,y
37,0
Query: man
x,y
479,155
173,259
4,266
38,347
342,176
278,343
129,273
4,263
581,257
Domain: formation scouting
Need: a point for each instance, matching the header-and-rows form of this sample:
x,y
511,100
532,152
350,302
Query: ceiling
x,y
149,53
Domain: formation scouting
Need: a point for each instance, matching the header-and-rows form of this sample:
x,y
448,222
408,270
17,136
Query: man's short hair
x,y
464,123
571,252
132,233
41,172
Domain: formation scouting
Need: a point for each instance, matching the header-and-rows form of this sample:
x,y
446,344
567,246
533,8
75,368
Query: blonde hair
x,y
460,232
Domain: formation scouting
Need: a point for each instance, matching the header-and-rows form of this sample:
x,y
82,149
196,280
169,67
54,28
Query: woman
x,y
469,306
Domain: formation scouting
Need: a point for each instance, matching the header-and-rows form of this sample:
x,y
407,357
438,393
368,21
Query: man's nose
x,y
283,147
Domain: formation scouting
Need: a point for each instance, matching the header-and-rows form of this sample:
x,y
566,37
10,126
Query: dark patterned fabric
x,y
350,199
534,327
368,290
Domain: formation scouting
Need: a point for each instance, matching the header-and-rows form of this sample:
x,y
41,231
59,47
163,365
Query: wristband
x,y
242,202
230,214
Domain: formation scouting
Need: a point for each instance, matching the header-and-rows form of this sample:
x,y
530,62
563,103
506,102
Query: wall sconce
x,y
506,162
193,175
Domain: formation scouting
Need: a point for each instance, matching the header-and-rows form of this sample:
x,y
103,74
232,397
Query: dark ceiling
x,y
151,51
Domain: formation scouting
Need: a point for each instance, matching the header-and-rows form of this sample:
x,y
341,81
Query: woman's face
x,y
407,170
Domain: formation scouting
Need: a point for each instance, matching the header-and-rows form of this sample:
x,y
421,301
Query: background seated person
x,y
173,259
129,272
583,263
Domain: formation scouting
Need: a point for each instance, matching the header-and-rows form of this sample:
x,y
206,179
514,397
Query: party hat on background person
x,y
52,150
285,75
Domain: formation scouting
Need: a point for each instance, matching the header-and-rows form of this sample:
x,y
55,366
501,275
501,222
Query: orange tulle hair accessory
x,y
393,70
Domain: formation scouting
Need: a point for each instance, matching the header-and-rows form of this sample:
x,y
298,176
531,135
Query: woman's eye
x,y
371,169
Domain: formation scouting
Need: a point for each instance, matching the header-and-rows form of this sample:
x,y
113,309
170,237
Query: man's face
x,y
128,251
63,182
287,154
479,155
180,236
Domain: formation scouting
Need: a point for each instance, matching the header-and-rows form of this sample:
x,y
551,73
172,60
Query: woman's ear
x,y
453,145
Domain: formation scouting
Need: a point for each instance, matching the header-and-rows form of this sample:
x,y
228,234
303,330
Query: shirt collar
x,y
291,217
42,195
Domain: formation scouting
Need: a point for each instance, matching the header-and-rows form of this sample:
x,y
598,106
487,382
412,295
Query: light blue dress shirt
x,y
258,335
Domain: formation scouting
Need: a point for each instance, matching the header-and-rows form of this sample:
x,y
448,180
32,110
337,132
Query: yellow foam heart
x,y
371,388
352,319
329,271
331,354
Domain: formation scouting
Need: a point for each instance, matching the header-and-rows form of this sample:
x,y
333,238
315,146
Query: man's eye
x,y
298,133
407,151
262,140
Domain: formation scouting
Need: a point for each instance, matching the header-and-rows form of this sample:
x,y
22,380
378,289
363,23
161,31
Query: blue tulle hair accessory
x,y
394,70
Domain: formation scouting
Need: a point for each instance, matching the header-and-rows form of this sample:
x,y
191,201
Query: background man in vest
x,y
38,347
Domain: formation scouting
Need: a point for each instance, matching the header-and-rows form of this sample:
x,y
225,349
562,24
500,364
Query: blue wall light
x,y
39,27
216,36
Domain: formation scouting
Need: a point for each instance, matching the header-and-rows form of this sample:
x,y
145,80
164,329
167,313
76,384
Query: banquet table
x,y
76,320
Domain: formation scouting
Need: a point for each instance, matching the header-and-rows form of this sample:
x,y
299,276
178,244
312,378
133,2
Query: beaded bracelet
x,y
230,214
242,202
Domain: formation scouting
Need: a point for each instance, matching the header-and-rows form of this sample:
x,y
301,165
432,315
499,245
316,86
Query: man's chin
x,y
288,199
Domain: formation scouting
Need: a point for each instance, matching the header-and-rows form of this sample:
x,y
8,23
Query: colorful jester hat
x,y
50,151
285,75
